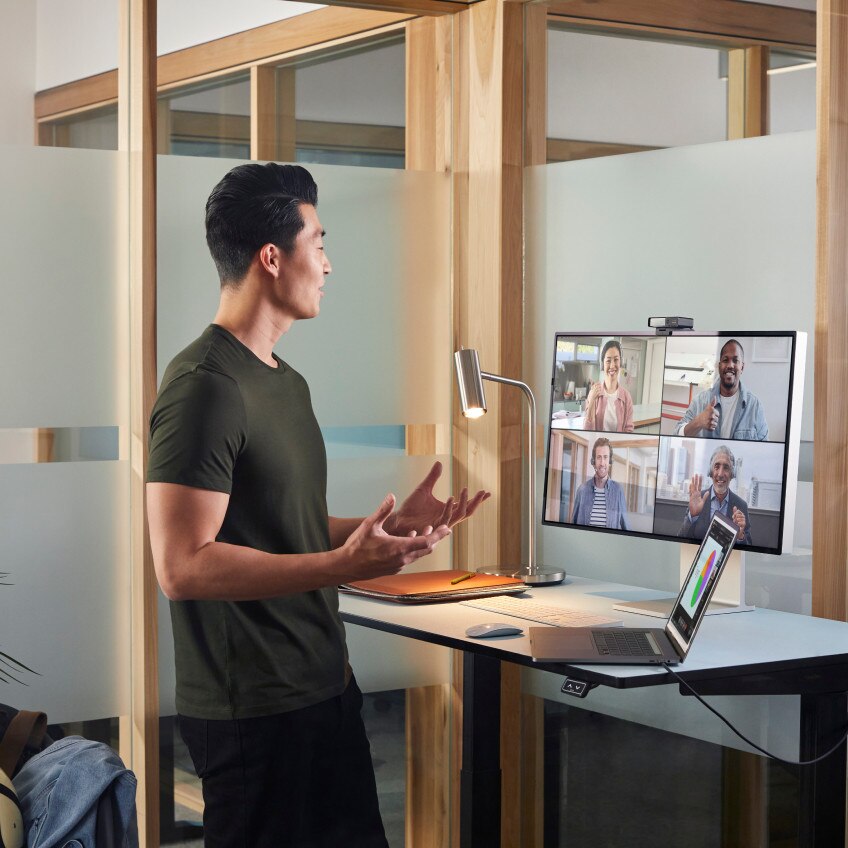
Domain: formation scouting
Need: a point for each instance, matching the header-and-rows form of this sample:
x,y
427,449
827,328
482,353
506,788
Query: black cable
x,y
744,738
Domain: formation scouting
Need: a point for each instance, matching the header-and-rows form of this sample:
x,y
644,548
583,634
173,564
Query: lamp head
x,y
470,382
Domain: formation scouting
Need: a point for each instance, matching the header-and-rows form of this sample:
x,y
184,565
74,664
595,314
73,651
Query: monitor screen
x,y
651,435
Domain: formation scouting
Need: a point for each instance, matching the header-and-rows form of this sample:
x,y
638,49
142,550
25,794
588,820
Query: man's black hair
x,y
732,341
254,205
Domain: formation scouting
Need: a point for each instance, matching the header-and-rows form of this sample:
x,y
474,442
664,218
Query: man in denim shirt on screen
x,y
727,410
599,502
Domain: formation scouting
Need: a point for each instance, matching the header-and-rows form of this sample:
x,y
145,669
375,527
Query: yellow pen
x,y
461,578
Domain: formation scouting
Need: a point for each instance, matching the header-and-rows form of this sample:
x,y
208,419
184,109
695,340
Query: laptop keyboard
x,y
530,610
625,644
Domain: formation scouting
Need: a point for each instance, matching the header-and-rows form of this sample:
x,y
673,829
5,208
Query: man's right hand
x,y
371,552
697,501
708,419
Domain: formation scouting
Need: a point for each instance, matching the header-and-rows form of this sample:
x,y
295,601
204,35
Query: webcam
x,y
666,326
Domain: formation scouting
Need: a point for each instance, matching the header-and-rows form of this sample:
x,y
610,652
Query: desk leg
x,y
822,790
480,778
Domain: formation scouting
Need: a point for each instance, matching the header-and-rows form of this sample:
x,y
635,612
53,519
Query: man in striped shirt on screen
x,y
599,502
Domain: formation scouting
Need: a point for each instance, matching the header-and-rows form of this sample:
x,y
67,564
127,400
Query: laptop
x,y
646,646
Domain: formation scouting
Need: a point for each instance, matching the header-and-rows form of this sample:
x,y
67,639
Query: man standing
x,y
599,502
726,411
718,497
246,552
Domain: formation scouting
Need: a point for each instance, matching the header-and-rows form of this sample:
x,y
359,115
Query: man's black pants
x,y
302,779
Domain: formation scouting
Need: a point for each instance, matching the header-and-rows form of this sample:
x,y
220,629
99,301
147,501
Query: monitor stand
x,y
729,594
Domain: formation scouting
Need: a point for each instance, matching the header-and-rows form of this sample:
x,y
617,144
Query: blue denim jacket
x,y
62,788
749,422
616,506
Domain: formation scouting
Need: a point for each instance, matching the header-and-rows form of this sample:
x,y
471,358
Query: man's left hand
x,y
739,520
423,509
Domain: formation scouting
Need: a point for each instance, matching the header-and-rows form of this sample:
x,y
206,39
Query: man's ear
x,y
269,257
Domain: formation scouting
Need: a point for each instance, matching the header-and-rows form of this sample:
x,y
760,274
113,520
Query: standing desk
x,y
763,652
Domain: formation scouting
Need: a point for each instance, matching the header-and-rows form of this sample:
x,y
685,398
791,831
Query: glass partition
x,y
65,344
610,94
207,119
724,233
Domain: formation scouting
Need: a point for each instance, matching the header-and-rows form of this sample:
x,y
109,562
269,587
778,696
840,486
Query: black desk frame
x,y
821,683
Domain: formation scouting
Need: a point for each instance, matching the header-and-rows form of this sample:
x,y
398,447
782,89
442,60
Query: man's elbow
x,y
172,580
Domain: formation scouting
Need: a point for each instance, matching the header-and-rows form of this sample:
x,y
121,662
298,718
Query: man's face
x,y
730,367
602,460
722,474
303,270
612,364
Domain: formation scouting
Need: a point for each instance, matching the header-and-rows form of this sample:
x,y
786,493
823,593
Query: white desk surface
x,y
743,641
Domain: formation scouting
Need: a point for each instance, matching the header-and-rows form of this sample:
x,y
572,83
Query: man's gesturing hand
x,y
708,419
423,509
371,552
697,501
739,520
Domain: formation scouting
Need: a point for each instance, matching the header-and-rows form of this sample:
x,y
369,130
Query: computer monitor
x,y
648,435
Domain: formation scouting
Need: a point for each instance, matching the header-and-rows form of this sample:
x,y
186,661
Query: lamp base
x,y
542,576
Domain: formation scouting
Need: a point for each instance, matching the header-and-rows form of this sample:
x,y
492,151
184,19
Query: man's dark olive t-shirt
x,y
228,422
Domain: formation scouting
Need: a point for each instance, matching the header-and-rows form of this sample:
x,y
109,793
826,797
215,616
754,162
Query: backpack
x,y
23,736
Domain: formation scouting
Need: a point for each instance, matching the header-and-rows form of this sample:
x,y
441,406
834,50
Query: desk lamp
x,y
473,399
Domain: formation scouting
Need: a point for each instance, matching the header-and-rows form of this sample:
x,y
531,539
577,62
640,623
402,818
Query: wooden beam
x,y
431,712
747,92
568,150
712,20
255,45
286,117
830,482
241,50
417,7
427,818
535,85
137,138
81,94
263,113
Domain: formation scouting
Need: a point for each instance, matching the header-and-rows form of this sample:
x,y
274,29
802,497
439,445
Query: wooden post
x,y
137,136
747,92
830,481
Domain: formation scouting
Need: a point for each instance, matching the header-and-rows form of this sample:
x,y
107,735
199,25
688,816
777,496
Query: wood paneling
x,y
830,482
714,20
137,137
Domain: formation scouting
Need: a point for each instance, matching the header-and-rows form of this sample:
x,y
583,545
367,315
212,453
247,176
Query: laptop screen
x,y
691,604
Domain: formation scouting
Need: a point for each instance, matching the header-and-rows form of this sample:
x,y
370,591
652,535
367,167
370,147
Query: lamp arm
x,y
531,465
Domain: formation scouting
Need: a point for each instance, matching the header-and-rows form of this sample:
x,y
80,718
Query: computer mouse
x,y
496,628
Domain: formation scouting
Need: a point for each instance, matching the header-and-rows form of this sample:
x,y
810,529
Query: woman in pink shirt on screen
x,y
609,405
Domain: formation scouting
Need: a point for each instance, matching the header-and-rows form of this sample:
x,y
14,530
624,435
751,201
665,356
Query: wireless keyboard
x,y
531,610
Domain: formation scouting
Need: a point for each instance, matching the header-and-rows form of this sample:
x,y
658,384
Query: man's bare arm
x,y
191,565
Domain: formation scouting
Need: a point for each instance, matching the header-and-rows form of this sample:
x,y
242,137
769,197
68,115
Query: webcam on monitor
x,y
666,326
